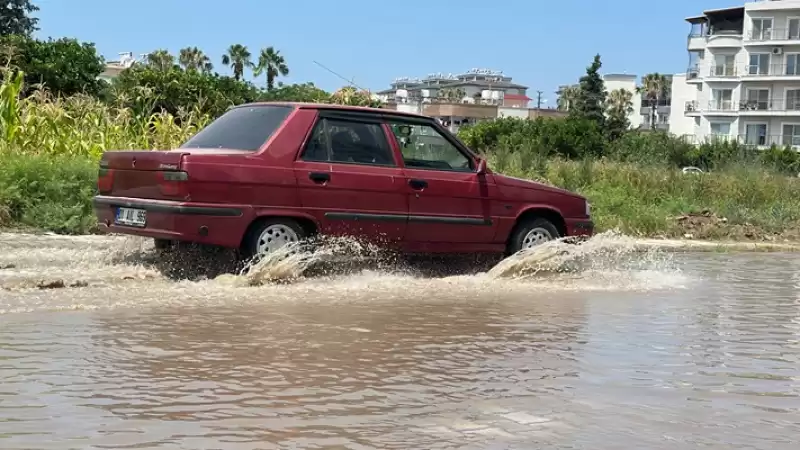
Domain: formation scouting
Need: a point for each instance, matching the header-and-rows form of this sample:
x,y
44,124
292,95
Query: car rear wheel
x,y
531,233
271,235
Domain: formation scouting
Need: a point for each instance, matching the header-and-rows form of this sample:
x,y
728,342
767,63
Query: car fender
x,y
505,229
282,212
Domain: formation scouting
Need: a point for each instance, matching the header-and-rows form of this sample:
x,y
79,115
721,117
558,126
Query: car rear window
x,y
242,128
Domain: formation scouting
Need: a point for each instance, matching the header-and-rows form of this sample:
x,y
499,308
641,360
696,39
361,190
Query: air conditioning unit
x,y
777,50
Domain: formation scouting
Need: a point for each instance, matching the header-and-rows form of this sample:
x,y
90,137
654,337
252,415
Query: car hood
x,y
520,183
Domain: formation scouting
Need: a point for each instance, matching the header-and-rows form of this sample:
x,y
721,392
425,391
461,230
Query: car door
x,y
448,200
350,181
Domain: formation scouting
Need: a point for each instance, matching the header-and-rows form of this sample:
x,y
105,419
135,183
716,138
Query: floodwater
x,y
624,350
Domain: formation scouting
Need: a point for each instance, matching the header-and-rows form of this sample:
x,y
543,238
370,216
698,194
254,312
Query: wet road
x,y
635,351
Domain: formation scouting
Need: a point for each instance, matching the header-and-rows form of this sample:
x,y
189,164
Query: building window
x,y
755,134
791,135
723,66
720,129
762,29
793,99
759,64
794,28
793,64
757,100
721,99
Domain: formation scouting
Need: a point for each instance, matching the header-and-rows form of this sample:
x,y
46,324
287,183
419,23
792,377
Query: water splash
x,y
604,252
293,261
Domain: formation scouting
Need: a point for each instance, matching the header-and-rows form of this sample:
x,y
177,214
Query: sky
x,y
541,44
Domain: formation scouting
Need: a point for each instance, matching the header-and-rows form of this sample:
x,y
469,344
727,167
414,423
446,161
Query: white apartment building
x,y
639,115
743,80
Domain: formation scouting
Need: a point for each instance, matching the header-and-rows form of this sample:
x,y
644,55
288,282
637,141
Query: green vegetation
x,y
56,119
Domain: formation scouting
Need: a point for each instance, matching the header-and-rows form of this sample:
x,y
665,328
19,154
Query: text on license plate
x,y
131,216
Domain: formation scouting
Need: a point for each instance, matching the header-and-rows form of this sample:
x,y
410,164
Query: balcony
x,y
722,71
774,35
714,107
789,105
754,141
721,106
771,71
693,74
763,141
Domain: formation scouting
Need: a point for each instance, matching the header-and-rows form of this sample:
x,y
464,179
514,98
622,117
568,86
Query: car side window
x,y
317,146
423,147
345,141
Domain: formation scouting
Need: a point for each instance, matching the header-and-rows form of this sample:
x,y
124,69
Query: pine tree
x,y
591,98
15,17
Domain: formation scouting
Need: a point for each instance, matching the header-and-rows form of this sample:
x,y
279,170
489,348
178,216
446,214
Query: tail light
x,y
105,178
174,184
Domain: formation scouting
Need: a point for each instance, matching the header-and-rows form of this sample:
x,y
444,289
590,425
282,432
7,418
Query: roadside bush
x,y
49,192
571,138
62,66
146,90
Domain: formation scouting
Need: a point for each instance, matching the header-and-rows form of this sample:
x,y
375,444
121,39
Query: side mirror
x,y
481,167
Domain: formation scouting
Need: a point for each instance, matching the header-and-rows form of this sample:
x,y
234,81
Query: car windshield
x,y
242,128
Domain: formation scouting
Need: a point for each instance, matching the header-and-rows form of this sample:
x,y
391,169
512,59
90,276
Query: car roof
x,y
304,105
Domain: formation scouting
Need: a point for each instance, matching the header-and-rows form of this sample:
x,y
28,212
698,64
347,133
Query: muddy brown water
x,y
627,350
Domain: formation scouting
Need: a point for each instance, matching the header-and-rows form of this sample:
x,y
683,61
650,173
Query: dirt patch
x,y
708,225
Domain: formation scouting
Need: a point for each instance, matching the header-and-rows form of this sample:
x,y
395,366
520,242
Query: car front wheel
x,y
531,233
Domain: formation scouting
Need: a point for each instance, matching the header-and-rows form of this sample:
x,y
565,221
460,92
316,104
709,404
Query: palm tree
x,y
192,58
458,95
620,102
654,88
238,57
161,60
271,62
567,96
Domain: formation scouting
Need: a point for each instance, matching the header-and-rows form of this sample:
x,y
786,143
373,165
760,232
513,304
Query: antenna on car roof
x,y
350,82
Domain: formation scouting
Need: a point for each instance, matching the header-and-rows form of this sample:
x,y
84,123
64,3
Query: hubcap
x,y
536,237
274,237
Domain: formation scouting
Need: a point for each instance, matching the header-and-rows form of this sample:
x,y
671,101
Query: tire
x,y
532,232
270,234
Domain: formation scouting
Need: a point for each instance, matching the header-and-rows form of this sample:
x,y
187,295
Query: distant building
x,y
113,68
475,95
640,116
743,79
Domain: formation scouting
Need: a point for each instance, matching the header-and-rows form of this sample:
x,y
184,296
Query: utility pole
x,y
539,99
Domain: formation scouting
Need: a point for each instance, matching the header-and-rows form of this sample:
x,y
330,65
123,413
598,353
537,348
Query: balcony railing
x,y
721,105
692,73
713,105
722,70
772,70
775,104
780,140
750,140
774,34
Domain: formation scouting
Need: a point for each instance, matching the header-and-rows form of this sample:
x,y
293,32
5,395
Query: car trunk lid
x,y
144,174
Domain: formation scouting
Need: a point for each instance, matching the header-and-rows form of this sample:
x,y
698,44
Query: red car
x,y
266,174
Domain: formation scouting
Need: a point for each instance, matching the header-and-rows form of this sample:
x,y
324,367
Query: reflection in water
x,y
708,357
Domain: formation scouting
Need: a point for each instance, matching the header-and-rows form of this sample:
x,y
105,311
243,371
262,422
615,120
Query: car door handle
x,y
319,177
418,185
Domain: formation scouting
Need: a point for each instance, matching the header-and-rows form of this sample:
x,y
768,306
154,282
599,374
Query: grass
x,y
646,200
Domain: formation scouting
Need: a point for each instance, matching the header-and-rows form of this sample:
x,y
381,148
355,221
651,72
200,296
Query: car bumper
x,y
580,227
201,223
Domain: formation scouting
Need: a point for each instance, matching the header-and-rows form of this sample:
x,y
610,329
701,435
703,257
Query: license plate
x,y
131,217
